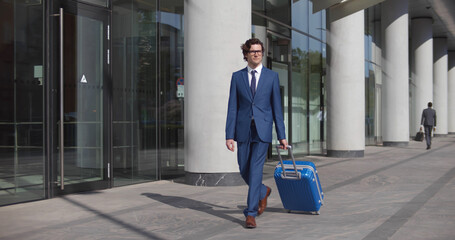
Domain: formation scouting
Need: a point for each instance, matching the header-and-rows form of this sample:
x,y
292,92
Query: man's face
x,y
254,56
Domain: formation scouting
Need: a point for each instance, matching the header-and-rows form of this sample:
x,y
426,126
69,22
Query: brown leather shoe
x,y
263,202
250,222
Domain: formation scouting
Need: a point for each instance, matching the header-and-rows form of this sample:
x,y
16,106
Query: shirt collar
x,y
258,68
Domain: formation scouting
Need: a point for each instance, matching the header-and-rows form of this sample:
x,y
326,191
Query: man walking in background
x,y
429,123
254,104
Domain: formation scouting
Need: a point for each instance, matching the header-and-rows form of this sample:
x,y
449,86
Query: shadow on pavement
x,y
181,202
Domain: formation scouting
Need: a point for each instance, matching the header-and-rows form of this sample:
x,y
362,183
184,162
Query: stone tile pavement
x,y
391,193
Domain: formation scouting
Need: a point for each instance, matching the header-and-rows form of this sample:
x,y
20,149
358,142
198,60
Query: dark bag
x,y
419,136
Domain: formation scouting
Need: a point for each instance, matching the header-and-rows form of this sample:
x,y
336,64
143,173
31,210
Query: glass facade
x,y
122,91
83,99
373,75
295,49
171,81
135,80
147,70
22,97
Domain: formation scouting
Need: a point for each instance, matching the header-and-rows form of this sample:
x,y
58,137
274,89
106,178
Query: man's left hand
x,y
283,144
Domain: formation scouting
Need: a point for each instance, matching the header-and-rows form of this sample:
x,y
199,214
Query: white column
x,y
451,93
395,77
421,69
214,31
440,68
346,87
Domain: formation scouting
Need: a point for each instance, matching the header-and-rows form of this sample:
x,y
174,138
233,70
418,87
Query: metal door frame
x,y
52,98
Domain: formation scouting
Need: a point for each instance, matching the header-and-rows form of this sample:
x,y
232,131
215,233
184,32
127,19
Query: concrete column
x,y
214,31
346,87
440,68
395,75
451,94
421,69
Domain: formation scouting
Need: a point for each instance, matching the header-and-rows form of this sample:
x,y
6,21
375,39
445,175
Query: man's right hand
x,y
230,144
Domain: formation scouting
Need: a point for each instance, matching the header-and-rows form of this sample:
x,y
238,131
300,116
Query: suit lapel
x,y
262,80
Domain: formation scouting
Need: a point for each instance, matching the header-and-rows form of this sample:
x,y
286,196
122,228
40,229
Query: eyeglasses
x,y
255,52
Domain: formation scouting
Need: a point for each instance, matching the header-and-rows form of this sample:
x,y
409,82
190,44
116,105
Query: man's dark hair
x,y
430,104
247,45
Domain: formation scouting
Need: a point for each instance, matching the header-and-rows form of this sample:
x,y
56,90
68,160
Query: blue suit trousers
x,y
251,157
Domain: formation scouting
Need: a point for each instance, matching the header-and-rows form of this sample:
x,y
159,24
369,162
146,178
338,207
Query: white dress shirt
x,y
257,75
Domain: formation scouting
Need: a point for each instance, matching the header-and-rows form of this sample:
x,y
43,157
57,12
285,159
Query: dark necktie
x,y
253,82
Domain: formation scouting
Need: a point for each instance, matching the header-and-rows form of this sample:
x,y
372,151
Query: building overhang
x,y
342,8
441,11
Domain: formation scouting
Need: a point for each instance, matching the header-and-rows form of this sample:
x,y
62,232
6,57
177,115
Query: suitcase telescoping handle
x,y
297,175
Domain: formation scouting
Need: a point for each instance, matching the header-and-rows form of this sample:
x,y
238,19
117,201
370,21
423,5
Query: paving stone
x,y
391,193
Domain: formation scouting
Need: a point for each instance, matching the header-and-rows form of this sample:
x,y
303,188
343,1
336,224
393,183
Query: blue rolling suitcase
x,y
298,184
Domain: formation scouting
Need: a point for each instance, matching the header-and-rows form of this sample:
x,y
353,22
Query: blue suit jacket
x,y
265,107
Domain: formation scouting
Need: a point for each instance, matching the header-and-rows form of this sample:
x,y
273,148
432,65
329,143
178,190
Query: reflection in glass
x,y
372,77
299,92
83,99
300,12
134,42
315,21
102,3
298,55
315,101
278,61
171,99
21,95
279,10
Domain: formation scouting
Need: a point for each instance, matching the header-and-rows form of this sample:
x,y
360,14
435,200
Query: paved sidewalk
x,y
391,193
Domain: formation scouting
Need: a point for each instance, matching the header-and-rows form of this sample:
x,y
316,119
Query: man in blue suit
x,y
254,104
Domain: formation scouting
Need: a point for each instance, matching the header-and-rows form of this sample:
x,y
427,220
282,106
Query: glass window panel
x,y
324,26
102,3
372,69
7,61
279,10
7,135
171,88
282,69
29,95
278,50
8,186
279,29
83,165
315,101
30,135
21,94
83,103
6,167
315,22
300,13
29,174
258,21
134,41
299,93
258,5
